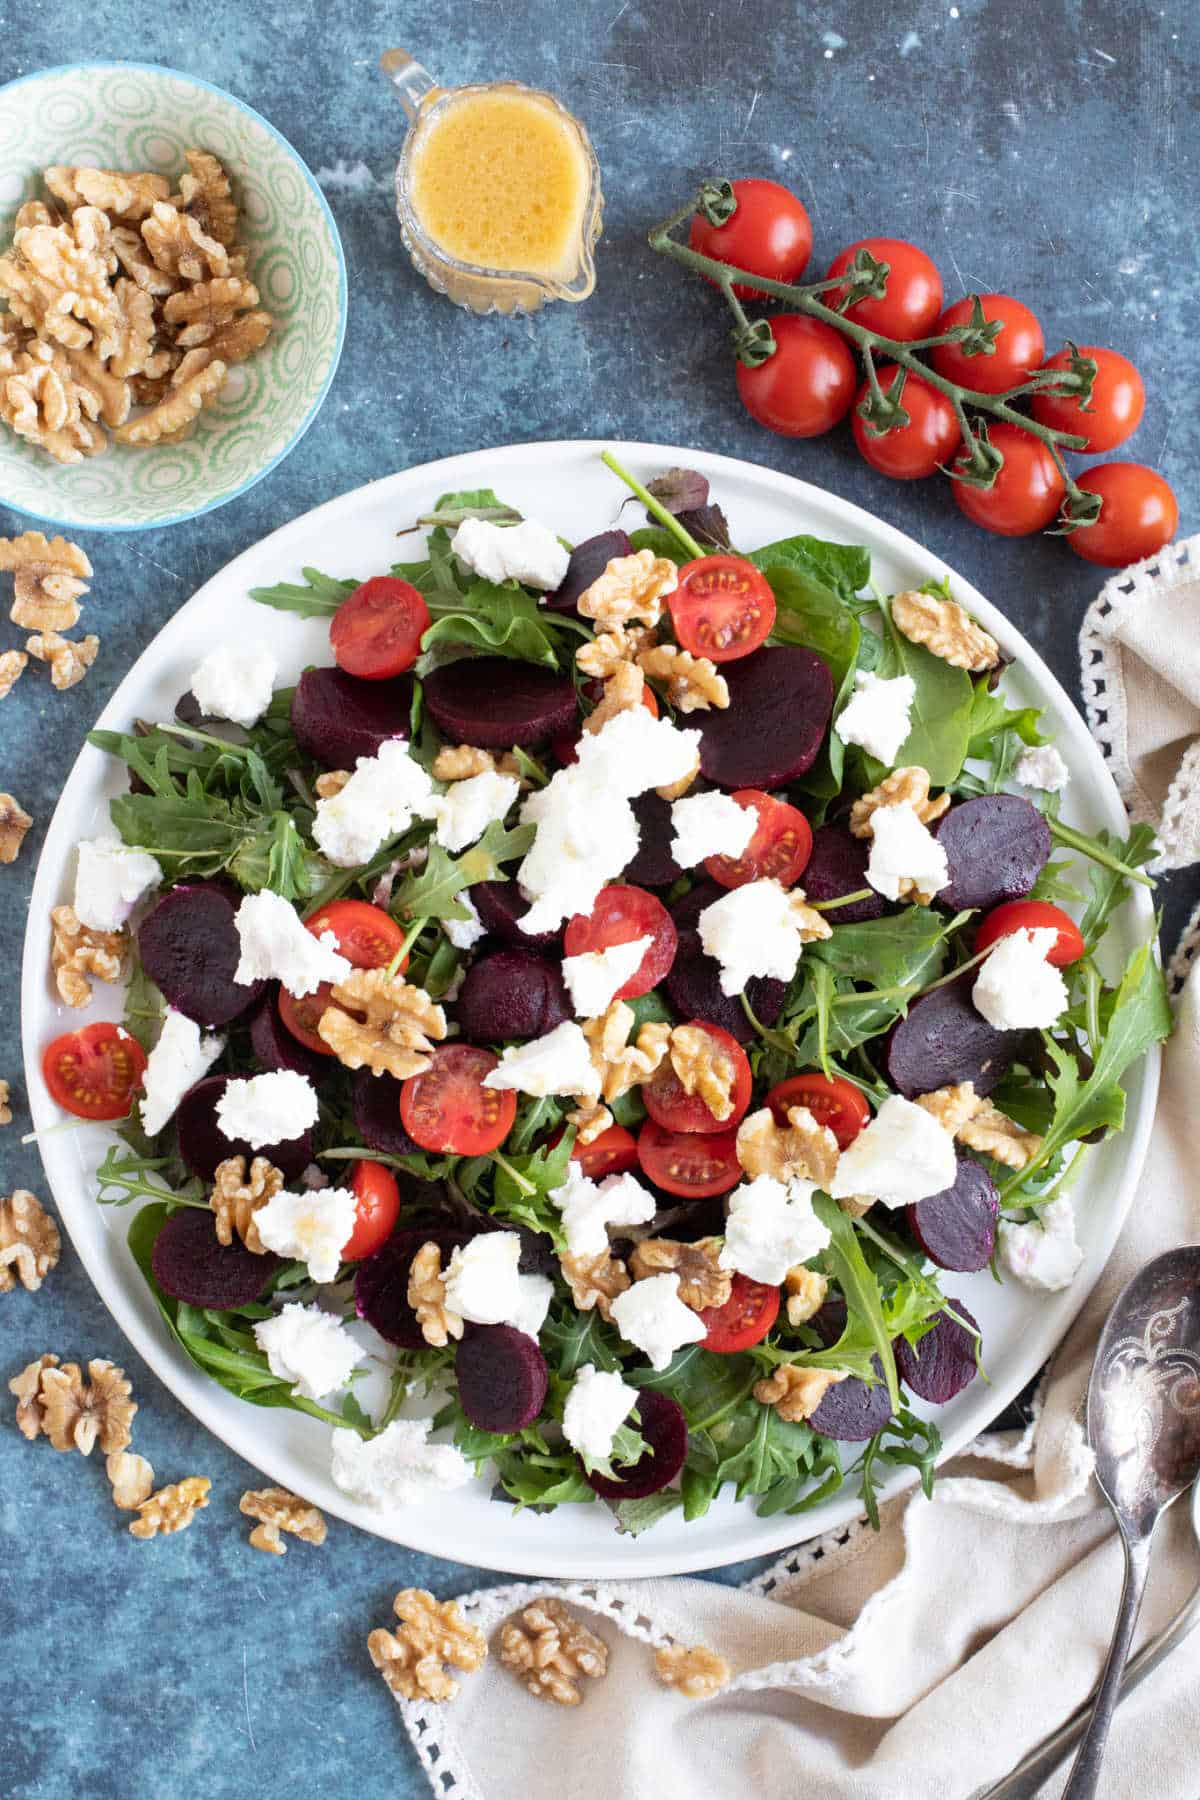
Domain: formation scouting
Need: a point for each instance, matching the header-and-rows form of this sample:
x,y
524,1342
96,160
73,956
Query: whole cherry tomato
x,y
914,289
1026,493
1016,350
912,451
769,233
1112,412
1139,515
807,385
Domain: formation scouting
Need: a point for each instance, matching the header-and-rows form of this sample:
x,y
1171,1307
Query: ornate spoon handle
x,y
1085,1776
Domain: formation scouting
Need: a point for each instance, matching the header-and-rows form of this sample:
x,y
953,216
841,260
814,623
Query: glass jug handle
x,y
412,83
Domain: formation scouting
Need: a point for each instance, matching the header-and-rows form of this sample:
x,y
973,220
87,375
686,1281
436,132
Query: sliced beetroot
x,y
837,866
337,717
852,1410
693,987
495,703
957,1228
996,847
502,1377
381,1282
943,1363
588,560
189,947
376,1103
780,701
501,907
686,913
276,1048
203,1145
190,1265
944,1040
661,1422
653,866
511,994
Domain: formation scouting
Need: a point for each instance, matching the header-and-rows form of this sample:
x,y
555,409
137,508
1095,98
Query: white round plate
x,y
567,487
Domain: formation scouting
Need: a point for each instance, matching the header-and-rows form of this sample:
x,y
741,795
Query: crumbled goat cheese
x,y
634,752
1043,1253
110,880
464,934
312,1227
384,795
877,715
558,1063
484,1284
904,849
1016,989
770,1227
710,825
901,1157
597,1405
468,807
1042,767
750,931
309,1348
278,946
268,1109
594,976
397,1468
236,683
651,1316
178,1060
528,552
589,1208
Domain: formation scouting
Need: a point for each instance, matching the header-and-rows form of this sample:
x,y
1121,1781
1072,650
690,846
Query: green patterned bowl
x,y
133,116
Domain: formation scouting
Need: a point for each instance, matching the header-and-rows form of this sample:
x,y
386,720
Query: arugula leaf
x,y
124,1176
637,1516
1110,887
450,510
864,1303
906,1440
319,597
941,713
145,1007
431,892
572,1338
523,1185
504,621
844,568
897,951
542,1479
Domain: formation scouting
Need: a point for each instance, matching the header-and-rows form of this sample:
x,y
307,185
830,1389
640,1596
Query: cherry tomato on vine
x,y
366,936
914,289
1016,350
912,451
807,385
447,1108
1033,915
621,914
695,1164
376,631
723,608
94,1072
302,1017
778,851
1113,411
1026,493
675,1110
1139,515
378,1197
831,1099
746,1317
769,233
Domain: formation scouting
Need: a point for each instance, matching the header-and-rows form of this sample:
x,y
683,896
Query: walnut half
x,y
427,1297
702,1281
77,951
552,1650
79,1414
277,1510
431,1637
30,1245
381,1023
14,823
796,1393
172,1508
946,629
698,1673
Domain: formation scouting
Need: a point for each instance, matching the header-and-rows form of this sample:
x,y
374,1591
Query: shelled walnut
x,y
806,1290
78,1414
694,684
69,659
14,823
552,1651
278,1510
803,1148
702,1281
382,1023
130,1477
237,1195
628,588
796,1393
595,1281
619,1063
703,1068
903,787
427,1297
980,1125
50,577
431,1637
946,629
698,1673
172,1509
30,1245
77,951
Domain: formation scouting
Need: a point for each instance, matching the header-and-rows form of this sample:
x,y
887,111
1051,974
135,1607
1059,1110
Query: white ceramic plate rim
x,y
279,1443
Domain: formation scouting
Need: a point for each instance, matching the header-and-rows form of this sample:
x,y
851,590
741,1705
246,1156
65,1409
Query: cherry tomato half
x,y
1139,515
367,936
378,1197
778,851
769,233
746,1317
723,608
1114,409
831,1099
94,1072
376,632
612,1153
620,915
1016,350
1033,915
566,746
676,1110
1025,495
914,289
807,385
302,1017
695,1164
912,451
447,1108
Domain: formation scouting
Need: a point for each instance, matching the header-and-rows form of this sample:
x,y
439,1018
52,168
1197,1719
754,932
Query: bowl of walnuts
x,y
172,296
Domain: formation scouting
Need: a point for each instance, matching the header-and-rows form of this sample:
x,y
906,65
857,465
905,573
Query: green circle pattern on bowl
x,y
124,116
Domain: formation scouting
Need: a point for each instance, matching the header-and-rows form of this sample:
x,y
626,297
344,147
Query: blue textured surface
x,y
1044,147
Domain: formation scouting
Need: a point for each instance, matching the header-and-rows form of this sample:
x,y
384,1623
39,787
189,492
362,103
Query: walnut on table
x,y
5,1108
69,658
431,1637
78,1414
552,1651
946,629
78,950
595,1281
278,1510
14,823
13,664
50,577
27,1390
796,1393
381,1023
620,1064
236,1197
702,1281
130,1477
30,1245
698,1673
628,588
802,1149
427,1297
172,1509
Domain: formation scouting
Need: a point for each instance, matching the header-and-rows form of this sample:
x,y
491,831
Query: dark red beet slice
x,y
661,1422
852,1410
502,1377
189,947
837,866
653,866
501,907
511,994
381,1282
588,560
780,701
957,1228
693,987
943,1363
189,1264
276,1048
996,847
337,718
495,703
944,1040
376,1102
202,1143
